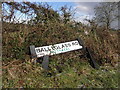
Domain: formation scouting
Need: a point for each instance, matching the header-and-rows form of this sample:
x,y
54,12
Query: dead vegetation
x,y
45,30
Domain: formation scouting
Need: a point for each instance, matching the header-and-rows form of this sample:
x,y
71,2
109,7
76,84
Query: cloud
x,y
84,10
82,18
85,7
81,7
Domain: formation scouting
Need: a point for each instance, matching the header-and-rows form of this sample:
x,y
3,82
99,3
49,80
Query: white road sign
x,y
57,48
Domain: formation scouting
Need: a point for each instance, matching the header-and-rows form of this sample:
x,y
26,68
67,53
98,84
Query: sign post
x,y
33,52
45,62
46,51
88,54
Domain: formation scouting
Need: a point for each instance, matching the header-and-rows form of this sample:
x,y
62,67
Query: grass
x,y
66,70
80,75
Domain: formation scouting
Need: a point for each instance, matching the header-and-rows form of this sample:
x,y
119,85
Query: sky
x,y
82,9
67,0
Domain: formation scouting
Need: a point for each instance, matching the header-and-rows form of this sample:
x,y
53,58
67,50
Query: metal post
x,y
82,44
45,62
92,60
88,54
33,53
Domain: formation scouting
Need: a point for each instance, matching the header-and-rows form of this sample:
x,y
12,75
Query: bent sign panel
x,y
57,48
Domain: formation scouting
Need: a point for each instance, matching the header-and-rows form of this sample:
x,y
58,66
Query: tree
x,y
67,14
39,13
92,23
44,13
106,13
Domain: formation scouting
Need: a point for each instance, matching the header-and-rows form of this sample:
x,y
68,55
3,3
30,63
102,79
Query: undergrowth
x,y
65,70
68,70
79,75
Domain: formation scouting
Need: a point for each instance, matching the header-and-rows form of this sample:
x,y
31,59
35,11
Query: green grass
x,y
81,75
66,70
